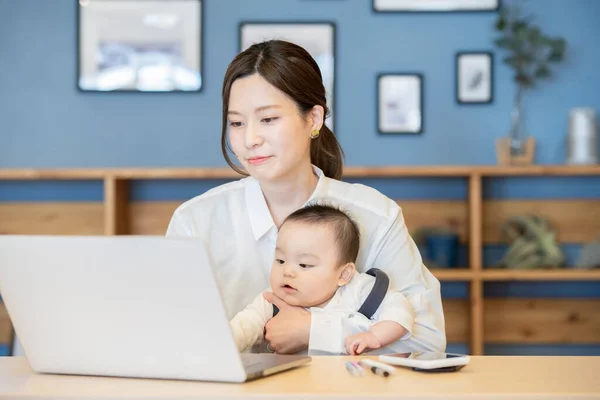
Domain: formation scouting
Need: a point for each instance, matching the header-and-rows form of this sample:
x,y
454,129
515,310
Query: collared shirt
x,y
236,226
248,325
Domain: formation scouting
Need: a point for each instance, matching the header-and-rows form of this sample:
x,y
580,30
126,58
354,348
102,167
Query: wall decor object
x,y
139,45
435,5
474,77
400,103
318,38
582,137
530,53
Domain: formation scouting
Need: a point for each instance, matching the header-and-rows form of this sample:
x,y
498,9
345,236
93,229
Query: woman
x,y
274,109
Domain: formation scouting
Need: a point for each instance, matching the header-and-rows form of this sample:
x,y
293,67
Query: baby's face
x,y
306,270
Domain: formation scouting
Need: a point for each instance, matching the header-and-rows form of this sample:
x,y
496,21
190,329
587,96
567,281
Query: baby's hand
x,y
358,343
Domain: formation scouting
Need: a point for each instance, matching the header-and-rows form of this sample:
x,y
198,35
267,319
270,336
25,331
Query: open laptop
x,y
128,306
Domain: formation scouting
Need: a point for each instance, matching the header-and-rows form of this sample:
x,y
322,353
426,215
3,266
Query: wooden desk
x,y
485,377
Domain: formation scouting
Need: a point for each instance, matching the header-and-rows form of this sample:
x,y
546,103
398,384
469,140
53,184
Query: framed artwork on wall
x,y
435,5
139,45
318,38
400,103
474,77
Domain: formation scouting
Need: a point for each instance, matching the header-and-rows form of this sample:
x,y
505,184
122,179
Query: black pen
x,y
379,371
377,368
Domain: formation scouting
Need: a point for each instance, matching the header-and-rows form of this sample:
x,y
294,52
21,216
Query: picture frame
x,y
317,37
436,5
140,46
474,77
400,101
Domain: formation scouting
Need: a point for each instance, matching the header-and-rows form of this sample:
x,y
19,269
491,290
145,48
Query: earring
x,y
314,134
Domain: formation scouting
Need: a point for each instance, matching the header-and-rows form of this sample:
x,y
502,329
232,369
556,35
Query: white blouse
x,y
236,226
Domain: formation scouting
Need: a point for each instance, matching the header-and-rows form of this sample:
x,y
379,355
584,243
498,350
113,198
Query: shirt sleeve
x,y
330,327
248,325
399,257
395,307
178,227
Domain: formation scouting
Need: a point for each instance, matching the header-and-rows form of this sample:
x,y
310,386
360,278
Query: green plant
x,y
530,51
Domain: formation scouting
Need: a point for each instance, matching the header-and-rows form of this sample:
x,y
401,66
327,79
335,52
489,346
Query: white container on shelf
x,y
582,147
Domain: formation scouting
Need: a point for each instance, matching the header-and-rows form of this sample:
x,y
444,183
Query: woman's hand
x,y
289,331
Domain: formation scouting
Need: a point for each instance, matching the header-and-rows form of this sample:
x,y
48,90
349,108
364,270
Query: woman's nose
x,y
253,137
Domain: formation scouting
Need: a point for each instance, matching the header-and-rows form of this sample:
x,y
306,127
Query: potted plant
x,y
530,53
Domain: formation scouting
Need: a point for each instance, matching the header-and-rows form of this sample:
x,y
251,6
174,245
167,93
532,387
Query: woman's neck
x,y
285,197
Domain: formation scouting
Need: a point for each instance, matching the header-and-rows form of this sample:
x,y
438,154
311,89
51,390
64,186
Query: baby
x,y
316,249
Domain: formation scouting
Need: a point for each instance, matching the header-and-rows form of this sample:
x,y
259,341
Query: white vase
x,y
583,137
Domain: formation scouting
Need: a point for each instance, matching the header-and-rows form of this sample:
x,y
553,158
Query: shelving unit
x,y
475,320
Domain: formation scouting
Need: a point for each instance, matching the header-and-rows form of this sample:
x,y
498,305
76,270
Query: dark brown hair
x,y
292,70
347,235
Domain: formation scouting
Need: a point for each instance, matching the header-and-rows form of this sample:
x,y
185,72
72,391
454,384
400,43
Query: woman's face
x,y
267,133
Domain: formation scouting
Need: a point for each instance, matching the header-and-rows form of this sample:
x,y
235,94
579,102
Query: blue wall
x,y
45,122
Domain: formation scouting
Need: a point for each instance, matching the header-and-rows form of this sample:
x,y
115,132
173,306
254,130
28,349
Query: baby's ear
x,y
346,273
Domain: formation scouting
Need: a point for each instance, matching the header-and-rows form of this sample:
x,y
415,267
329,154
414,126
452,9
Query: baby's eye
x,y
306,265
279,261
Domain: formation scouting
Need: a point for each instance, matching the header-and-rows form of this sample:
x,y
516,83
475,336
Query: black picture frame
x,y
423,8
194,75
390,118
271,32
474,84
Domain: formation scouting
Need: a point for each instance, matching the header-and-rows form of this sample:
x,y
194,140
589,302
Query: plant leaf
x,y
501,23
502,42
542,72
512,61
527,58
555,56
534,34
521,34
523,79
560,45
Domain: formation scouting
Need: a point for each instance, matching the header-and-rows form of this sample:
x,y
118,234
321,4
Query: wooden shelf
x,y
453,274
349,172
466,274
52,174
541,275
472,319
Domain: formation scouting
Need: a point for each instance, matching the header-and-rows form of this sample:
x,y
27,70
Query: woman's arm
x,y
399,257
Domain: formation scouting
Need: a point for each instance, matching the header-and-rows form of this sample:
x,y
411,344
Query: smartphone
x,y
427,361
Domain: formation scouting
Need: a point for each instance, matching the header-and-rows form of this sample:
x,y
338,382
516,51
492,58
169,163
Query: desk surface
x,y
485,377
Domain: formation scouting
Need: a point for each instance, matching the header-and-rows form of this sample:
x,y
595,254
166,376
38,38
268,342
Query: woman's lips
x,y
258,160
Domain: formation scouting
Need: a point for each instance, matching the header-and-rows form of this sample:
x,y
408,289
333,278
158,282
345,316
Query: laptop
x,y
127,306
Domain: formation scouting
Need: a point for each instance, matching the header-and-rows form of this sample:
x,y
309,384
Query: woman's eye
x,y
269,120
306,265
235,124
279,261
